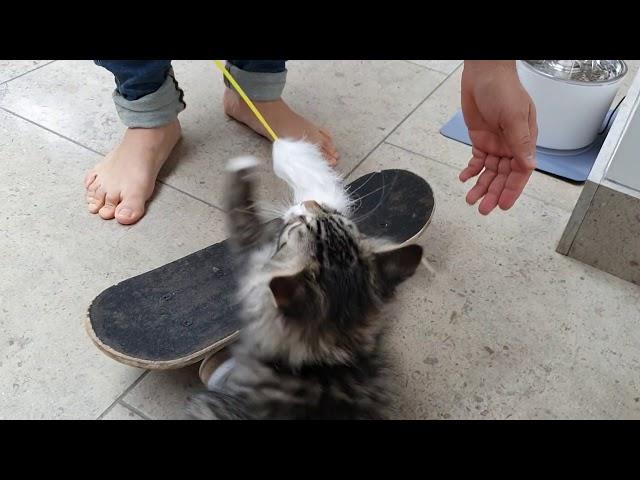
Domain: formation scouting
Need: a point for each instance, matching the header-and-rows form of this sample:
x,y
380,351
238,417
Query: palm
x,y
503,178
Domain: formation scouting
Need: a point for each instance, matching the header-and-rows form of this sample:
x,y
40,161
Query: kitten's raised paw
x,y
242,163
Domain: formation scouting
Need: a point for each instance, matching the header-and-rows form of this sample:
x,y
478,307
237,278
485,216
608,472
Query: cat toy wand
x,y
266,126
249,103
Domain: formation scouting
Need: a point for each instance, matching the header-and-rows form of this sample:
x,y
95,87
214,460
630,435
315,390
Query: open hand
x,y
501,119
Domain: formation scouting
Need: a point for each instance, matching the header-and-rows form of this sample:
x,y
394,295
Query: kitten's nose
x,y
312,205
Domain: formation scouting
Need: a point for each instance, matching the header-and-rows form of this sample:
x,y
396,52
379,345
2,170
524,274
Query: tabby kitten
x,y
311,298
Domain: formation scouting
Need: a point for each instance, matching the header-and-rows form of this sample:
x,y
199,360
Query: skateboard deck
x,y
177,314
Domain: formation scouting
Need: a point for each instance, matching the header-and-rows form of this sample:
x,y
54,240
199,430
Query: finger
x,y
513,188
491,163
481,186
476,164
474,168
490,200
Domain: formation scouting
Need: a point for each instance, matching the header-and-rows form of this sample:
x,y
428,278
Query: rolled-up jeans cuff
x,y
153,110
259,86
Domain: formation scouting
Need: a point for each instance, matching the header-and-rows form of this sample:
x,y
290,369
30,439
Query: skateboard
x,y
177,314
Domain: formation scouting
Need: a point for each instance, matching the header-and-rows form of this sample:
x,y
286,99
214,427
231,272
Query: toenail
x,y
126,212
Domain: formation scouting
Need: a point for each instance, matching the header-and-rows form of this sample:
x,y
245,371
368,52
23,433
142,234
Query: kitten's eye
x,y
284,236
294,227
281,243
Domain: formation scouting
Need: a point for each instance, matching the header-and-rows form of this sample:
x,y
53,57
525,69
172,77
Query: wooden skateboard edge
x,y
148,364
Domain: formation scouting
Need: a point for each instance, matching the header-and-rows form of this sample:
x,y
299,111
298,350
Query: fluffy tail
x,y
302,166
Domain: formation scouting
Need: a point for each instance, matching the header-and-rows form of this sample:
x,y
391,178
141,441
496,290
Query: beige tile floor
x,y
505,328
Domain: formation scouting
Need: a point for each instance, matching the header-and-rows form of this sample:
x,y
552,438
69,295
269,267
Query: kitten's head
x,y
313,290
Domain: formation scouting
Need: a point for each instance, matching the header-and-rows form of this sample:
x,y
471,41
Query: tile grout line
x,y
126,391
452,167
421,155
102,155
28,71
50,131
135,410
162,182
401,122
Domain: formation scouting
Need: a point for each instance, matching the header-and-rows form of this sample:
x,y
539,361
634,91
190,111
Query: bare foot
x,y
119,186
284,121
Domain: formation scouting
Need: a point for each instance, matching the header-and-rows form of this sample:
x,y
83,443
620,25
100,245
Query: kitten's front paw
x,y
242,163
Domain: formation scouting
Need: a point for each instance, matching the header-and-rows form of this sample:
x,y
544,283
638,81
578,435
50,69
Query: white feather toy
x,y
310,177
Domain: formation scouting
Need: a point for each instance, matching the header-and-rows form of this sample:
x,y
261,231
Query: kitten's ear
x,y
398,264
289,294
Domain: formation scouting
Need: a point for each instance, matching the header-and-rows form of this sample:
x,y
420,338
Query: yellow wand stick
x,y
253,108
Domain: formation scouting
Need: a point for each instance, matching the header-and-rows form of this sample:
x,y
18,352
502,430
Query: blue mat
x,y
572,165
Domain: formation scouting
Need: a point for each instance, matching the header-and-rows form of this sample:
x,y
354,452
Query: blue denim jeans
x,y
147,93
